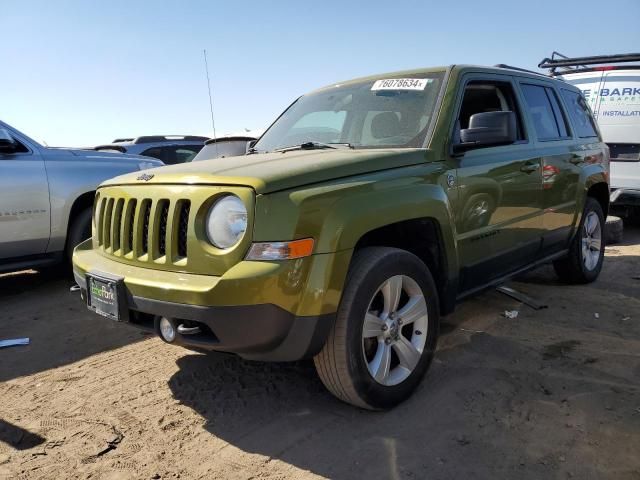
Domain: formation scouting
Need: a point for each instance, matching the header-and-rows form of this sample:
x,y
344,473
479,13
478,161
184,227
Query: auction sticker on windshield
x,y
401,84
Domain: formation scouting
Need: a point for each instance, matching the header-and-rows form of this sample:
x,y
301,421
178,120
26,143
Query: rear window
x,y
580,114
173,154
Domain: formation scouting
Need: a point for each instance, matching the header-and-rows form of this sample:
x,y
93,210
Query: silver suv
x,y
46,196
171,149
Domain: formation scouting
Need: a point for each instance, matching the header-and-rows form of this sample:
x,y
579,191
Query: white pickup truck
x,y
612,90
46,197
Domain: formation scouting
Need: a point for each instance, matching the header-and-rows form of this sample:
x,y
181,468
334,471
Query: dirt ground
x,y
553,393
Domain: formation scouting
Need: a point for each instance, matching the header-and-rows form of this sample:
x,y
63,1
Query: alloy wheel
x,y
395,330
591,241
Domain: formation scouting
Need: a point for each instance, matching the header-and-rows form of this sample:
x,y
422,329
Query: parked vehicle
x,y
365,212
612,90
231,146
171,149
46,196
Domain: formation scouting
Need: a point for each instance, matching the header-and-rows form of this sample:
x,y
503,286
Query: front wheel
x,y
79,231
386,329
586,252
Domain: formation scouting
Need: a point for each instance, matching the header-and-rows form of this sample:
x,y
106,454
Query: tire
x,y
614,230
577,267
347,360
79,231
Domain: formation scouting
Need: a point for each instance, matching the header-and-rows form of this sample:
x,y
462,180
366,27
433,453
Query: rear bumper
x,y
625,197
260,311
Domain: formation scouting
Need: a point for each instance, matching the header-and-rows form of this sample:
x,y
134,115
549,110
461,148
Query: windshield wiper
x,y
305,146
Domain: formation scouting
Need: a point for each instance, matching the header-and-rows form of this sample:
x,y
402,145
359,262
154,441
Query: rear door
x,y
560,156
499,189
24,205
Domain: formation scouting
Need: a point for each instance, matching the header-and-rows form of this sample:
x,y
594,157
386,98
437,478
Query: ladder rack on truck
x,y
586,64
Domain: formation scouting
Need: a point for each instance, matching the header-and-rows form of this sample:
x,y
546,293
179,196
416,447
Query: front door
x,y
498,202
24,202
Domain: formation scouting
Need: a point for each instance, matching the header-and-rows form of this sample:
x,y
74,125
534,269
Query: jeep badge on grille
x,y
145,176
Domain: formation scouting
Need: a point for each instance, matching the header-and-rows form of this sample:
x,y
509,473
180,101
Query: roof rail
x,y
504,65
119,140
167,138
583,62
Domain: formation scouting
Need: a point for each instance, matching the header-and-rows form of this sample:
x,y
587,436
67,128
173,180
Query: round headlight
x,y
226,222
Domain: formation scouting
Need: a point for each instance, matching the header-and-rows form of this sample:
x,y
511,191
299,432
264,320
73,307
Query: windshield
x,y
383,113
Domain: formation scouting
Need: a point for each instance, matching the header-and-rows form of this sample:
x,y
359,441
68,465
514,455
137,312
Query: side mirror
x,y
7,143
250,145
488,129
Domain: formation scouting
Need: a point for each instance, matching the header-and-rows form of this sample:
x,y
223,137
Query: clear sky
x,y
80,73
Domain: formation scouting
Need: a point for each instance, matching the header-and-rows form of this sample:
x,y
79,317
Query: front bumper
x,y
273,311
625,197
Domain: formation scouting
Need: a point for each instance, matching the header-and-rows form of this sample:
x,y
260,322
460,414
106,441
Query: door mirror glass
x,y
488,129
7,143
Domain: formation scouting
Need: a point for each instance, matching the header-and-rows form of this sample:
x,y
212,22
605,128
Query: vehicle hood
x,y
97,156
269,172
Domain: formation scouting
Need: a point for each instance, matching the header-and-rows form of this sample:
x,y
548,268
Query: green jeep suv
x,y
363,214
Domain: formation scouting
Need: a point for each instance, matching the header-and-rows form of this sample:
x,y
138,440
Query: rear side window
x,y
545,112
580,114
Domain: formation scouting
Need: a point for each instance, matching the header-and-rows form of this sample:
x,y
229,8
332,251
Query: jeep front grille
x,y
143,229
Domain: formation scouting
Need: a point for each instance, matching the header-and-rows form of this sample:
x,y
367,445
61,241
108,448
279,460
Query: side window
x,y
11,148
542,103
580,114
185,153
561,119
155,152
20,148
485,96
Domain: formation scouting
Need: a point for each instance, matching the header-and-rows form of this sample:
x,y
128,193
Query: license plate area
x,y
107,296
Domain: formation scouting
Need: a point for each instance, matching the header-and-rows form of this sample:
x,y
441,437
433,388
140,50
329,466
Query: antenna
x,y
213,122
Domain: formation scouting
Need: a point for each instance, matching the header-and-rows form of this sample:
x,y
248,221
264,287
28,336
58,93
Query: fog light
x,y
167,330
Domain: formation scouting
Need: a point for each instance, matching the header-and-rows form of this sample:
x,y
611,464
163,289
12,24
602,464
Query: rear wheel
x,y
385,332
586,253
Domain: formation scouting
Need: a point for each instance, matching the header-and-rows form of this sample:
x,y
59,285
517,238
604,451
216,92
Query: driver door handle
x,y
530,167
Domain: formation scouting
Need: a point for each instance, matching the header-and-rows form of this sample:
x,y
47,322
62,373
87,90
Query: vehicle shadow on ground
x,y
487,393
476,402
60,328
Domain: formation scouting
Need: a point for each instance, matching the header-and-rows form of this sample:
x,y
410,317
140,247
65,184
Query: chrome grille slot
x,y
145,216
127,223
183,227
117,225
106,224
99,218
163,206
